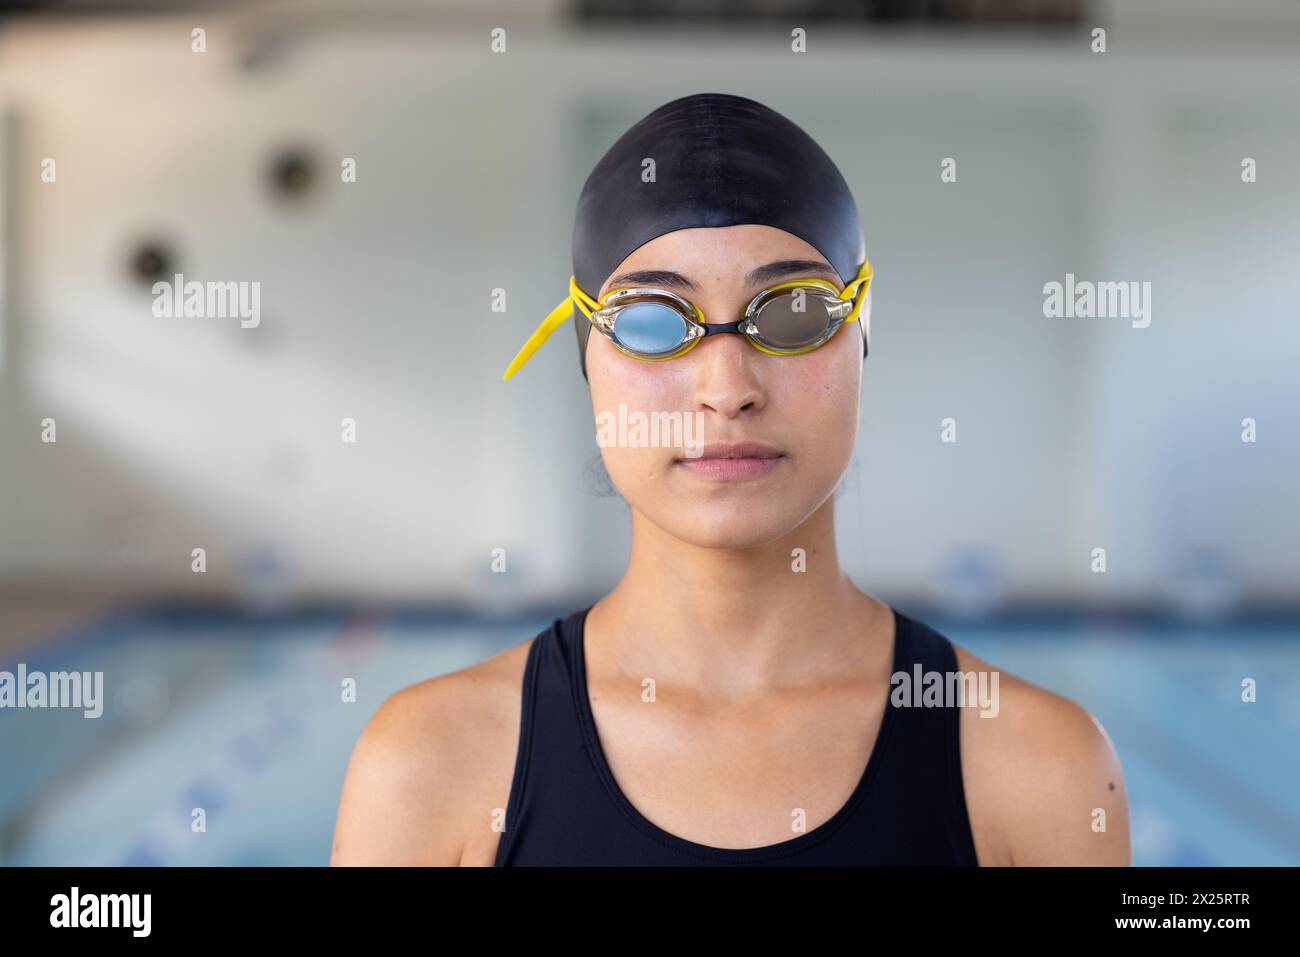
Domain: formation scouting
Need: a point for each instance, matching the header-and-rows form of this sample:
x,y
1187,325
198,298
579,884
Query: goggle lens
x,y
792,320
649,328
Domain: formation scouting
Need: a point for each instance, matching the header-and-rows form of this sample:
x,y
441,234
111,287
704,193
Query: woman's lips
x,y
737,461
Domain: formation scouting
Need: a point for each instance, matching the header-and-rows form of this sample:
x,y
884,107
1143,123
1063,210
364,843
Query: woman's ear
x,y
598,479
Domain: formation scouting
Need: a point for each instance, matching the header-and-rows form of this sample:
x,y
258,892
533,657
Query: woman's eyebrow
x,y
761,275
651,277
790,267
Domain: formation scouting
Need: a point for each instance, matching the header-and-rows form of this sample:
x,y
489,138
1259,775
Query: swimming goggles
x,y
655,324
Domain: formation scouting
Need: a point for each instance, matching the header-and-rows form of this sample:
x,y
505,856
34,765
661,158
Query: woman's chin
x,y
721,528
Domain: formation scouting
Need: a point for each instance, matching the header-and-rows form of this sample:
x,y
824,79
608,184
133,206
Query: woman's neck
x,y
739,617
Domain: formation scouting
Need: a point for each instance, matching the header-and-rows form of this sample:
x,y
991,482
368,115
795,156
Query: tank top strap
x,y
550,757
927,731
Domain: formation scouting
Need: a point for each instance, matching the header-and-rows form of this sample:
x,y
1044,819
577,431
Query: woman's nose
x,y
726,378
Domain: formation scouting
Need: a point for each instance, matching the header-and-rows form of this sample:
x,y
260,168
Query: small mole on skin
x,y
1112,785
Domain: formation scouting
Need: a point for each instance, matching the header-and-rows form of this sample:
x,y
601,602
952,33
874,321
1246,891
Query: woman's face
x,y
802,409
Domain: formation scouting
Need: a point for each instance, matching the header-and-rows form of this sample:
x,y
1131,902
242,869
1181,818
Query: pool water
x,y
249,718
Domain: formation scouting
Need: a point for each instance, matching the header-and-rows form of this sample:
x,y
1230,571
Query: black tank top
x,y
566,809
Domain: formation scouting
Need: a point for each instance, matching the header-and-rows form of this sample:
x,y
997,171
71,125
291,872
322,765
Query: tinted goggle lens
x,y
649,328
792,320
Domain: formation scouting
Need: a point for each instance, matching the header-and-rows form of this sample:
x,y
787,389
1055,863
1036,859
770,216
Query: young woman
x,y
736,699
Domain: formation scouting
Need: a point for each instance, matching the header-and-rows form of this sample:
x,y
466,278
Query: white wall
x,y
177,433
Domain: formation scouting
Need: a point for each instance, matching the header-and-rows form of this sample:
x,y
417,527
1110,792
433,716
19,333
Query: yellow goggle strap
x,y
552,322
863,280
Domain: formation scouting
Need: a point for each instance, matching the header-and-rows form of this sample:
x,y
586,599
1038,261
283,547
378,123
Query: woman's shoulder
x,y
1025,705
433,765
1042,779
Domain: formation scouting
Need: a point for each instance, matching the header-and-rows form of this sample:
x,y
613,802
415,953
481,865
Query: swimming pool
x,y
244,716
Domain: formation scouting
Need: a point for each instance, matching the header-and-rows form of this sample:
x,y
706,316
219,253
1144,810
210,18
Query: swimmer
x,y
735,700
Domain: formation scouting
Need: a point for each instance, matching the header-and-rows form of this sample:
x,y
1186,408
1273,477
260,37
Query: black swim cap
x,y
720,160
